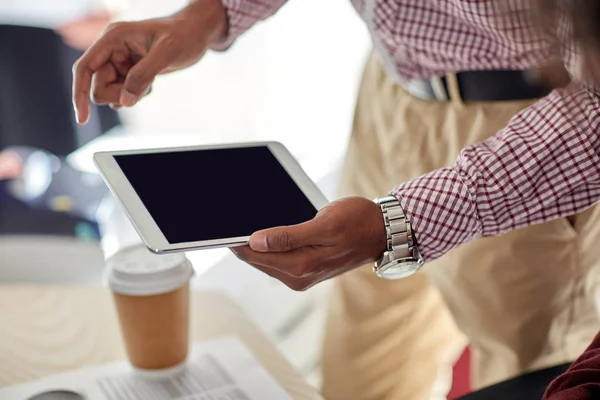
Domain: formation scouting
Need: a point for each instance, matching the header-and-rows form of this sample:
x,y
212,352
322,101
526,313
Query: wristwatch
x,y
401,257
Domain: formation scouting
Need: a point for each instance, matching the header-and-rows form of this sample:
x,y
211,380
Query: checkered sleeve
x,y
243,14
543,165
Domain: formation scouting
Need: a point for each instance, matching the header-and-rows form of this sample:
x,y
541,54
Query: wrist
x,y
378,244
401,256
208,16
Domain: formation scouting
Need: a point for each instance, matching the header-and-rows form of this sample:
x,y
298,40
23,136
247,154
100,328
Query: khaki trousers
x,y
523,300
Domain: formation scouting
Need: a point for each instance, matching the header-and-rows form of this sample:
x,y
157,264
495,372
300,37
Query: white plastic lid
x,y
138,272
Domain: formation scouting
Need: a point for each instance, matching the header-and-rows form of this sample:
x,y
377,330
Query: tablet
x,y
187,198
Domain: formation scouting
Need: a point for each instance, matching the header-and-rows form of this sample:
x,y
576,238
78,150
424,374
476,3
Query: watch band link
x,y
398,231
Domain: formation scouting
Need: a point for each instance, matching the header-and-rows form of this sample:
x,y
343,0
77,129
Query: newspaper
x,y
219,369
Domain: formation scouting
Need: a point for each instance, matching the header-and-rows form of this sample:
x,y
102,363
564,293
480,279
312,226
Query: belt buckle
x,y
438,89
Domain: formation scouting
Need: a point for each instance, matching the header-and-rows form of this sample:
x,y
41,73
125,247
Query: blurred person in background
x,y
449,107
39,42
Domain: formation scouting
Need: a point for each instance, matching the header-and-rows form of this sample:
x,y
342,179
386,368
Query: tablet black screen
x,y
214,194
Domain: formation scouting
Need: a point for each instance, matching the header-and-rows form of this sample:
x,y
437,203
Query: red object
x,y
461,376
582,380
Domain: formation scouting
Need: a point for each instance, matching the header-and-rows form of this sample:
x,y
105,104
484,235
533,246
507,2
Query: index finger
x,y
83,70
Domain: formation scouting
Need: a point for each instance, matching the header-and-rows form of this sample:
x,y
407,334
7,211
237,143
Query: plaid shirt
x,y
543,165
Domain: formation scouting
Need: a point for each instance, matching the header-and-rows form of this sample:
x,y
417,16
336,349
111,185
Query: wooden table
x,y
50,329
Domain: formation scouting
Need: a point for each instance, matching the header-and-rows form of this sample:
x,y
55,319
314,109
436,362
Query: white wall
x,y
292,78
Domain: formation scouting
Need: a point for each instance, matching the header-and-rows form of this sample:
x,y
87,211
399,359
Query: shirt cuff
x,y
441,211
242,15
234,26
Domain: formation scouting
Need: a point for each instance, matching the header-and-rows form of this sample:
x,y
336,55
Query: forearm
x,y
543,165
243,14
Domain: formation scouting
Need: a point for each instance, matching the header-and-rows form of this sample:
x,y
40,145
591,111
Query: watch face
x,y
400,270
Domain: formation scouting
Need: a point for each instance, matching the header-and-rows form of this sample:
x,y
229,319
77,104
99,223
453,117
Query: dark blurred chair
x,y
35,95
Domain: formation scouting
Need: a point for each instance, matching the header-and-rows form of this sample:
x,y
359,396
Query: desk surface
x,y
50,329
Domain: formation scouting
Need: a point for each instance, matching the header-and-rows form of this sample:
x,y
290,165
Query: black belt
x,y
481,86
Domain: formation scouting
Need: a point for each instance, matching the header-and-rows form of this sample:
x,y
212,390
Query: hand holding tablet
x,y
345,235
209,196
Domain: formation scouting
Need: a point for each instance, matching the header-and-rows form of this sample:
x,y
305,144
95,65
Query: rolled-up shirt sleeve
x,y
543,165
243,14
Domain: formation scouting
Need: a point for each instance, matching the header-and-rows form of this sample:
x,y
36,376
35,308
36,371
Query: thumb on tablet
x,y
284,238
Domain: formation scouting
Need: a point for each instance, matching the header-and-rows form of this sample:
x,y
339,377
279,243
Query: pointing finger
x,y
83,71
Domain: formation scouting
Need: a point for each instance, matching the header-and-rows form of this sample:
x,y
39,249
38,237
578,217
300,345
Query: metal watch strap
x,y
397,229
401,257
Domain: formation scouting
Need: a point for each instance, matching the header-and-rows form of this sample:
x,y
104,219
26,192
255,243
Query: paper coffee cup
x,y
151,294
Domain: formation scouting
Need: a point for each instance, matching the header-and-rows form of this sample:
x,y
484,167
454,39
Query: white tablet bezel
x,y
145,225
